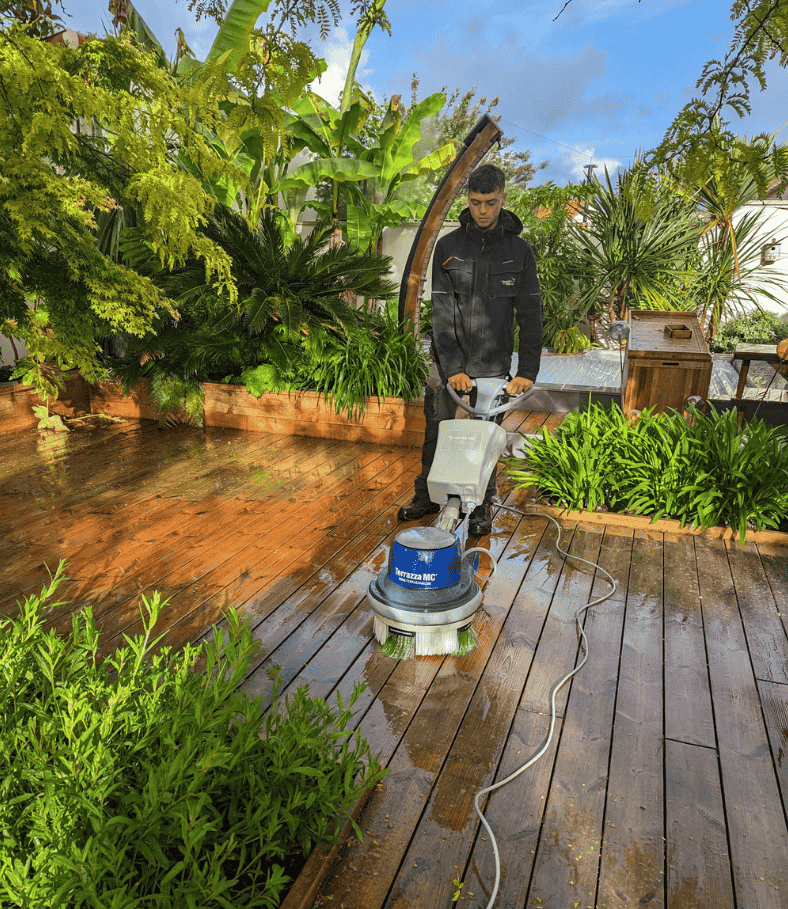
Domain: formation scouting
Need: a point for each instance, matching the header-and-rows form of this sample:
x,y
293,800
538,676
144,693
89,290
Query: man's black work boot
x,y
417,509
480,521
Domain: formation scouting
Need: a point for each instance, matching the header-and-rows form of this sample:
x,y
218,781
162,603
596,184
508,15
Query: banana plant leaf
x,y
359,227
441,157
343,170
235,31
400,157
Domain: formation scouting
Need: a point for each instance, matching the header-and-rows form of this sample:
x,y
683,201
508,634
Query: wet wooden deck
x,y
667,780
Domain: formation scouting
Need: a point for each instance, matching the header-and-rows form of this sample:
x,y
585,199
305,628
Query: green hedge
x,y
151,779
757,327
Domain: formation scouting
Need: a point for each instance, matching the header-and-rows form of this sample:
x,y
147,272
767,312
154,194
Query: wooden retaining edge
x,y
17,402
389,421
663,525
321,861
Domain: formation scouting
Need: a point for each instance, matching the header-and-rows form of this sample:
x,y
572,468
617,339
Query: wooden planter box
x,y
387,422
662,368
17,402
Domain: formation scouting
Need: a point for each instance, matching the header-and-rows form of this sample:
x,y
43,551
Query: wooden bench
x,y
766,353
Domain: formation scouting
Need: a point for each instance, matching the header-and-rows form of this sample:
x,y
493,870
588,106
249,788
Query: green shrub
x,y
378,360
150,779
704,472
757,327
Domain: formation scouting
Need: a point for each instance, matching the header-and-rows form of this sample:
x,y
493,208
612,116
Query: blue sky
x,y
597,85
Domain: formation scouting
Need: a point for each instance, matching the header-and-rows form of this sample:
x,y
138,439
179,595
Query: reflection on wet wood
x,y
671,744
699,872
632,867
688,712
756,822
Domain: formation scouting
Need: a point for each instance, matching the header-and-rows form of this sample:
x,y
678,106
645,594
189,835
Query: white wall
x,y
773,224
397,242
7,352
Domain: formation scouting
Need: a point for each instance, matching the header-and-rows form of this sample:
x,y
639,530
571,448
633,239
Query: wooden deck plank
x,y
303,565
632,866
567,857
130,489
766,637
774,700
698,868
420,755
449,818
775,565
197,560
557,649
756,821
515,813
290,531
117,574
688,712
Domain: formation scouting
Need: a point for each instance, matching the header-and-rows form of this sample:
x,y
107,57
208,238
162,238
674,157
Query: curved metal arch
x,y
475,146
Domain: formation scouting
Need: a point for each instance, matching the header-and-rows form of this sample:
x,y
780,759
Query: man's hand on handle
x,y
463,382
518,386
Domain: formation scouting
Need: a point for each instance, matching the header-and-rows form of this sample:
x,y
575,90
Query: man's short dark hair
x,y
486,179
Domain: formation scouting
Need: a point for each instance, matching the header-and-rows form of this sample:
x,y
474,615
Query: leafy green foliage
x,y
151,779
177,400
291,327
756,327
699,140
380,359
47,420
284,293
260,379
54,178
704,471
36,17
383,143
547,211
570,340
625,257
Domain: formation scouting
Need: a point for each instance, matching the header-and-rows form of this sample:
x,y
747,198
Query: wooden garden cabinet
x,y
667,359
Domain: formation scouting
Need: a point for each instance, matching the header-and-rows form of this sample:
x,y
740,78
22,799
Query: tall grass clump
x,y
150,779
705,471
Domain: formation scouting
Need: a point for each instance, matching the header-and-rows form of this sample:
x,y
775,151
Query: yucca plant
x,y
625,258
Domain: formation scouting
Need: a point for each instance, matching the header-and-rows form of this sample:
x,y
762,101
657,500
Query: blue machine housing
x,y
427,581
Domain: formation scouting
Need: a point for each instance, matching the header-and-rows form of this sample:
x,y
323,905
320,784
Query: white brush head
x,y
380,628
437,641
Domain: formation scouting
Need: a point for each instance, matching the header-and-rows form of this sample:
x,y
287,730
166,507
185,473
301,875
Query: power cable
x,y
556,688
554,141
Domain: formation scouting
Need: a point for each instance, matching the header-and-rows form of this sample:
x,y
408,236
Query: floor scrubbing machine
x,y
425,598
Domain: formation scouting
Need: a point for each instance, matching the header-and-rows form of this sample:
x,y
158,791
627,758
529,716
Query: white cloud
x,y
574,161
336,53
200,36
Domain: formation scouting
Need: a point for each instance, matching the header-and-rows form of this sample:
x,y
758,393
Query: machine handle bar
x,y
502,408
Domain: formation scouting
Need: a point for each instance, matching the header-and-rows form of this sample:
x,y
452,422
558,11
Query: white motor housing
x,y
465,458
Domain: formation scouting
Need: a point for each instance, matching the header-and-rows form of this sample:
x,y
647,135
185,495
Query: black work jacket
x,y
481,280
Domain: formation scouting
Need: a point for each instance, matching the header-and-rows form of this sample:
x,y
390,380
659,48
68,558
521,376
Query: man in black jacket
x,y
483,276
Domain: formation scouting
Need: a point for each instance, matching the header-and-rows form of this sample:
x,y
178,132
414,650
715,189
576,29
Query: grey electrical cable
x,y
557,687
